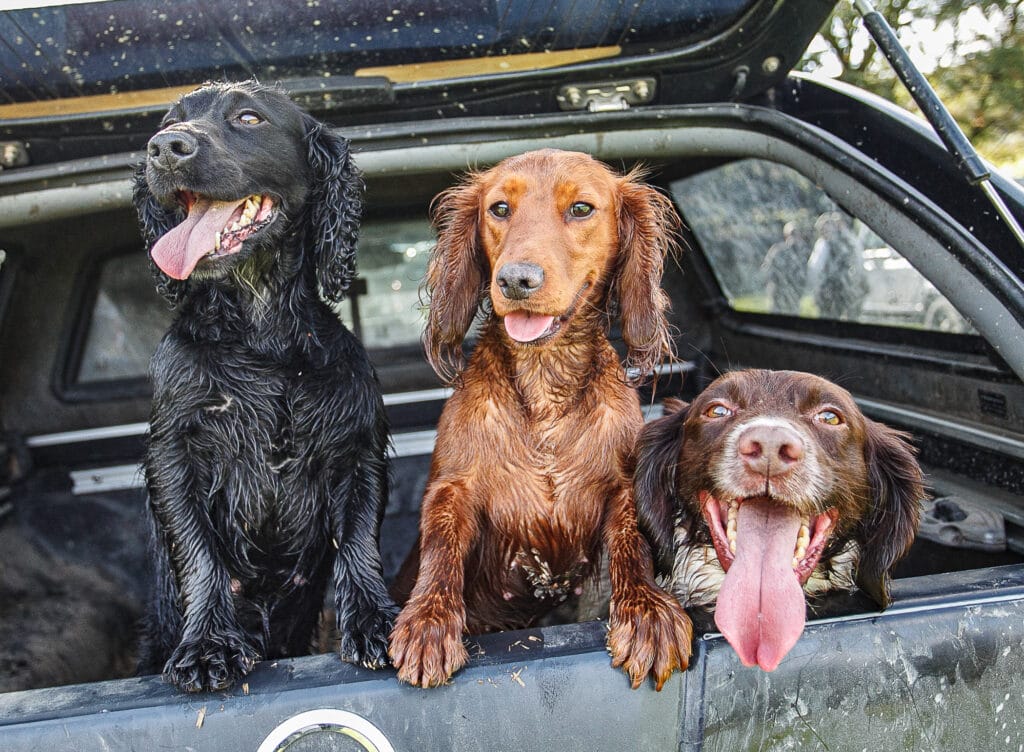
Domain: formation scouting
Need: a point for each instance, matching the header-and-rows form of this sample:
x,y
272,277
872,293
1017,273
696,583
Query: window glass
x,y
392,262
128,317
778,244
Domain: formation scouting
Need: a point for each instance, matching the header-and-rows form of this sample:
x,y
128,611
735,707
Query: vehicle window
x,y
128,317
392,262
127,320
778,244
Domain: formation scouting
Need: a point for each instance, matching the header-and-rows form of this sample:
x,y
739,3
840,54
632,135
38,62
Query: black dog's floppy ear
x,y
336,207
648,225
155,221
455,276
896,487
655,489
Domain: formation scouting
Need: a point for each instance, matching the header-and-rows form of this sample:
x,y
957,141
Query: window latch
x,y
606,97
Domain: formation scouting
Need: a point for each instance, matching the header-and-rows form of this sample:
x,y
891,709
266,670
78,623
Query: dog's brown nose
x,y
770,449
169,149
520,279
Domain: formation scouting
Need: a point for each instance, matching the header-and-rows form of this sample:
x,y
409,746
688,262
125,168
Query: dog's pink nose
x,y
770,449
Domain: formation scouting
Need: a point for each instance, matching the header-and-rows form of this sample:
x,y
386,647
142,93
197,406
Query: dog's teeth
x,y
251,207
803,539
216,242
732,546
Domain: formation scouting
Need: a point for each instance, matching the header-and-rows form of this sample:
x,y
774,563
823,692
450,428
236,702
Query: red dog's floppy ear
x,y
648,225
896,487
655,489
455,276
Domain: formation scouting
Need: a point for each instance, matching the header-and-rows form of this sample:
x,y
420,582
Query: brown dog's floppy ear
x,y
455,276
155,221
648,224
896,488
654,481
336,206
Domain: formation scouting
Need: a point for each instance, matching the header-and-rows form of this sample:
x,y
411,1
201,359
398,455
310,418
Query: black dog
x,y
267,455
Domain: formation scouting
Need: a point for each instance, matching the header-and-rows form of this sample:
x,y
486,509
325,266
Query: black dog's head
x,y
237,173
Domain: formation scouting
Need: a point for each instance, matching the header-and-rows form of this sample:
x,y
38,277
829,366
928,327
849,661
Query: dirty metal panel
x,y
535,690
930,674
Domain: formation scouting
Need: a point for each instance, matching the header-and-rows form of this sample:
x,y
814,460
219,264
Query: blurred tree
x,y
972,53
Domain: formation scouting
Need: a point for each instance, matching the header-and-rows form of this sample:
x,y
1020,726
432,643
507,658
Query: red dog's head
x,y
550,238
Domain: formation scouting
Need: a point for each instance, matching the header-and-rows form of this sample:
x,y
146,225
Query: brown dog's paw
x,y
426,645
649,633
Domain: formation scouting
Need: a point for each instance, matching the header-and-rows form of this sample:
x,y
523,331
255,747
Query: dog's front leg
x,y
649,632
426,645
365,612
212,651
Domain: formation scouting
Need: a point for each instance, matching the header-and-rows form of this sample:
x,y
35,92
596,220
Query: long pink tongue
x,y
761,608
178,252
523,326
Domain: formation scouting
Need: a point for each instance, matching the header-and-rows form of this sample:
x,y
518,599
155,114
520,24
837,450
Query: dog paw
x,y
364,640
649,633
426,645
210,664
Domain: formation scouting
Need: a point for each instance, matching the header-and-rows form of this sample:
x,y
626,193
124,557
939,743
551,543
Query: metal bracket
x,y
606,97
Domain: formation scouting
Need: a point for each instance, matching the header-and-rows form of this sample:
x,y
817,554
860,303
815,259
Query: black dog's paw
x,y
211,663
364,640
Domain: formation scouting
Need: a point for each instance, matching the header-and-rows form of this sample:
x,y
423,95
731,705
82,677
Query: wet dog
x,y
529,478
266,465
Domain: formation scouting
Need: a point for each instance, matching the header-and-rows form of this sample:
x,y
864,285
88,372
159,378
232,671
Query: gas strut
x,y
967,159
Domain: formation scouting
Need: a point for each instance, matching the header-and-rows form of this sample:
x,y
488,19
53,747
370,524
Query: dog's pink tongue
x,y
523,326
761,607
178,252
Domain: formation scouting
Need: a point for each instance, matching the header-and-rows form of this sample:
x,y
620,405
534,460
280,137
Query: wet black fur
x,y
266,464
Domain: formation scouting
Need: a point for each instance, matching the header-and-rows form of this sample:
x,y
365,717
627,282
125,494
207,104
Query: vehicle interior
x,y
922,345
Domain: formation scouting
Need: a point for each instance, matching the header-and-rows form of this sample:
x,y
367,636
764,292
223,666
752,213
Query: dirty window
x,y
115,46
778,244
392,262
128,317
127,320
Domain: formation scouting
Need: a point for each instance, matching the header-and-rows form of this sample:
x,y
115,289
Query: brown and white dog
x,y
769,486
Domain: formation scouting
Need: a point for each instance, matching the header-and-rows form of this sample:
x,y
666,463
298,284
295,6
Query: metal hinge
x,y
606,97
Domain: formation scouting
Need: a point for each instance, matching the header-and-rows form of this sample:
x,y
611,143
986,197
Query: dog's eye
x,y
500,209
249,118
581,209
829,417
717,410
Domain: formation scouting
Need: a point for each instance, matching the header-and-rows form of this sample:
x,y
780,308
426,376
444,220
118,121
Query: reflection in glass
x,y
778,244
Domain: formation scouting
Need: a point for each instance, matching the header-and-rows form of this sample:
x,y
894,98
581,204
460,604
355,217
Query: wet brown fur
x,y
533,449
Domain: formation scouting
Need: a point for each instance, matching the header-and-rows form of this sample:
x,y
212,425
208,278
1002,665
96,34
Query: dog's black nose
x,y
520,280
171,148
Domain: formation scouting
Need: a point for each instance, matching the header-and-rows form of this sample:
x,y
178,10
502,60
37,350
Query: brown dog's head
x,y
778,471
552,239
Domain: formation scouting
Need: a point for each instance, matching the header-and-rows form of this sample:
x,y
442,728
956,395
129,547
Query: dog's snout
x,y
770,449
519,280
171,148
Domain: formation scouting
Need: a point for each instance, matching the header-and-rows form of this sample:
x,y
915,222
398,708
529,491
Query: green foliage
x,y
979,73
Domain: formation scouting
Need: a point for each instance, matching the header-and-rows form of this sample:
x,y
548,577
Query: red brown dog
x,y
530,471
769,486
